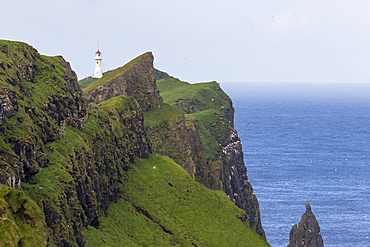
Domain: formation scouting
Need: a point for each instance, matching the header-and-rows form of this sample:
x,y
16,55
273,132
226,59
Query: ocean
x,y
307,142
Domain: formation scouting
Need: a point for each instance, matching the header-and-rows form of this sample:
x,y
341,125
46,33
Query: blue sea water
x,y
307,142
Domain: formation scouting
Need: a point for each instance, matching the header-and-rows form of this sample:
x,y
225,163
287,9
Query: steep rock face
x,y
196,148
8,104
236,184
136,79
176,137
86,169
307,233
224,167
114,136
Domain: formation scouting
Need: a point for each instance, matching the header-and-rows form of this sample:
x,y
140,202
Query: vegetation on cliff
x,y
22,222
77,160
86,167
205,102
36,94
69,160
169,135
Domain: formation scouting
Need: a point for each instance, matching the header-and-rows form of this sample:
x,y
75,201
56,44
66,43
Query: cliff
x,y
307,233
37,94
136,79
56,148
220,162
174,136
79,162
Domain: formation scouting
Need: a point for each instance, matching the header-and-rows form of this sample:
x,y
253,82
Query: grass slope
x,y
84,83
173,89
162,205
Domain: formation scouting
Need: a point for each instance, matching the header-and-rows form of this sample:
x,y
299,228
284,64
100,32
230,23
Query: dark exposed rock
x,y
196,148
237,186
137,81
159,75
96,168
8,104
307,233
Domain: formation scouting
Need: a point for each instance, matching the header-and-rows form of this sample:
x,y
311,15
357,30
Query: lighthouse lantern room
x,y
98,71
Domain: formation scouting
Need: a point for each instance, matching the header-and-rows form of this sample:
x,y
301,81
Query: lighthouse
x,y
98,71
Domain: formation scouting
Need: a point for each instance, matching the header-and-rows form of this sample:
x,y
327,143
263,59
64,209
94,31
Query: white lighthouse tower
x,y
98,71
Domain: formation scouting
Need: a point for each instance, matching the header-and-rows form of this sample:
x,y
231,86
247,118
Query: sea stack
x,y
307,233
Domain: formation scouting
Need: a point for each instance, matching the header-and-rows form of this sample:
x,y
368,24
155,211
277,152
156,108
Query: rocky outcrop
x,y
136,79
86,169
307,232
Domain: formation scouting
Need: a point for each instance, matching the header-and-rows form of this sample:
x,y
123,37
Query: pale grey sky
x,y
195,40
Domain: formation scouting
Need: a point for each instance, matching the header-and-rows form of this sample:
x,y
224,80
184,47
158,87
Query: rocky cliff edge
x,y
217,148
136,79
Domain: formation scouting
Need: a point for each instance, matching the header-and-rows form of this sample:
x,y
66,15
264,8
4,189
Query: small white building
x,y
98,71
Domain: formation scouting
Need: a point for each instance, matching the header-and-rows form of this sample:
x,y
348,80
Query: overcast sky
x,y
195,40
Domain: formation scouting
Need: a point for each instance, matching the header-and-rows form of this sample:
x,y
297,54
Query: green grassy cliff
x,y
224,168
90,174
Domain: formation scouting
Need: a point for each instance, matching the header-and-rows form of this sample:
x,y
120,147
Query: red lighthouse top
x,y
98,52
